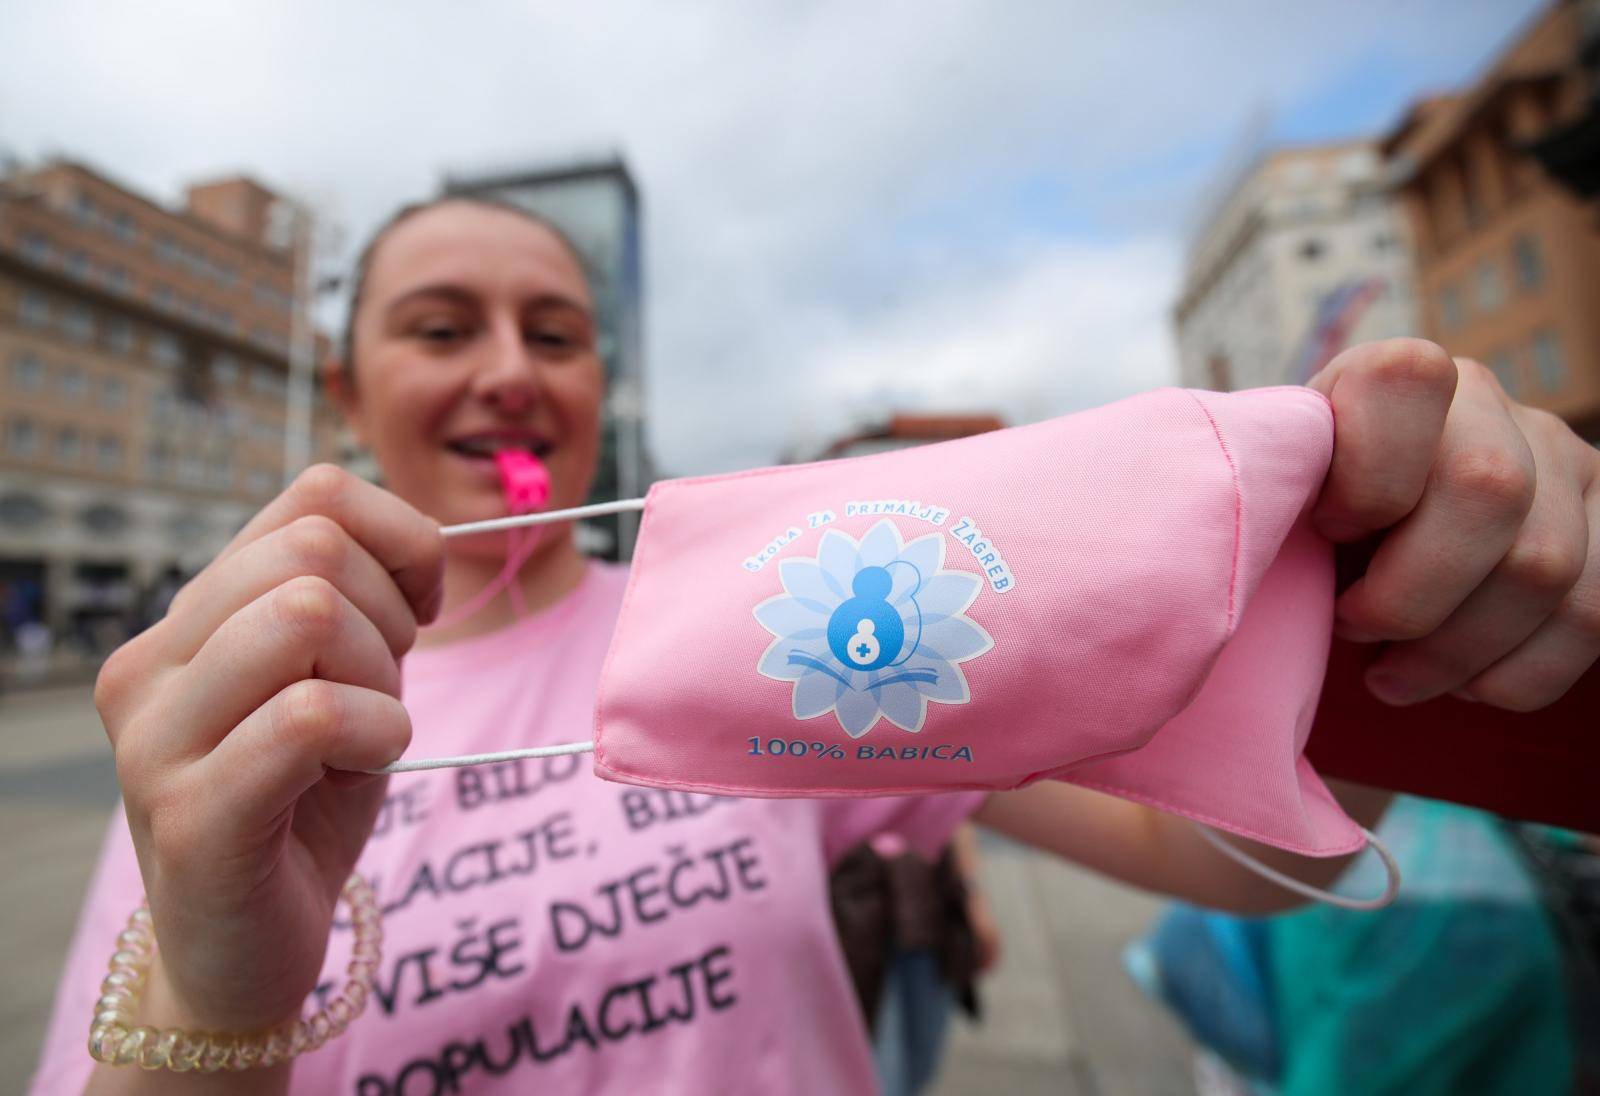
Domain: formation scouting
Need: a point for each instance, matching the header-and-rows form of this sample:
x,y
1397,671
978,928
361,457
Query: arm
x,y
1484,582
1162,852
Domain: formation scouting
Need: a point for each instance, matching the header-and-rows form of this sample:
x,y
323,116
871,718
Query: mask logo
x,y
872,629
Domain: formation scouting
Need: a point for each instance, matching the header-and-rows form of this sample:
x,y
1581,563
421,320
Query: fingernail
x,y
1390,689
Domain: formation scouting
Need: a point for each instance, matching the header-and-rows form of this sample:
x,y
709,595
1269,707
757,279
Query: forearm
x,y
1162,852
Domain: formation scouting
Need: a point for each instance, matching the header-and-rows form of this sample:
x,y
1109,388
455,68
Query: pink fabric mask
x,y
1131,598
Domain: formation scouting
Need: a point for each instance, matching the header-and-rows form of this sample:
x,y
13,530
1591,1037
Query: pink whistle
x,y
524,480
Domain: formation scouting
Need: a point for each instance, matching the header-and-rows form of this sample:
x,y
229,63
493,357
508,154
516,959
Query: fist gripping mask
x,y
1131,599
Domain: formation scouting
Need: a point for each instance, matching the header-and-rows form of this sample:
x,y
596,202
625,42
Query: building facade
x,y
143,381
1309,253
1508,259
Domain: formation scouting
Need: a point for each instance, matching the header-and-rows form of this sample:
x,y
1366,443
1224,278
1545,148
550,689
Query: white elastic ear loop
x,y
1288,882
515,521
543,517
421,763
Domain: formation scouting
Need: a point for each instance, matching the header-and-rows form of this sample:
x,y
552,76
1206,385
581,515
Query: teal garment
x,y
1456,988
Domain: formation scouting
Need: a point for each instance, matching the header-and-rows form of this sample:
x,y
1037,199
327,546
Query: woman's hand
x,y
236,721
1485,581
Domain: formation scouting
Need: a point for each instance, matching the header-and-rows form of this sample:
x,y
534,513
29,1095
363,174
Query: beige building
x,y
1508,260
1306,254
143,369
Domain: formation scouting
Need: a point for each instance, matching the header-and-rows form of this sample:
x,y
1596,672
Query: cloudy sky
x,y
852,208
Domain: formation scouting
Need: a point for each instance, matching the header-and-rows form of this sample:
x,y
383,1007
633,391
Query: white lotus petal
x,y
903,706
857,712
881,544
809,582
926,554
837,555
815,694
948,593
775,660
954,639
792,618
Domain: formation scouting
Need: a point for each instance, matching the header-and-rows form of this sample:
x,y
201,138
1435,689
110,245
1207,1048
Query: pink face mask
x,y
1131,599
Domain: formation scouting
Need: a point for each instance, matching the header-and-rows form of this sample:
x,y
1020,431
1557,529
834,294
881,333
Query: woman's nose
x,y
508,377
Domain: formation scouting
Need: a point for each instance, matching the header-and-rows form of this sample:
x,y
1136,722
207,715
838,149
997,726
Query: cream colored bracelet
x,y
115,1040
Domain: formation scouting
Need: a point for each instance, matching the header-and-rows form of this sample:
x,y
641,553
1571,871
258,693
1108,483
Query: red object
x,y
1541,766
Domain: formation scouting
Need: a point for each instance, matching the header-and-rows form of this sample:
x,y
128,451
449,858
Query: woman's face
x,y
475,332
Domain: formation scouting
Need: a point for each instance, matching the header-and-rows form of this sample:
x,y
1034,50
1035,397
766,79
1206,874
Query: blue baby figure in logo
x,y
866,632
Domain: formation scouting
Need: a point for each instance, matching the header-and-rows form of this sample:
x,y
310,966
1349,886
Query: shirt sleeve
x,y
924,821
114,890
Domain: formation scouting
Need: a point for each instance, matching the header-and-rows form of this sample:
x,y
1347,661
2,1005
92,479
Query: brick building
x,y
1508,260
143,383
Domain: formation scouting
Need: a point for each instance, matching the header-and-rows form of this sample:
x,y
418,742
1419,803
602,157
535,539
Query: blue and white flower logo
x,y
872,629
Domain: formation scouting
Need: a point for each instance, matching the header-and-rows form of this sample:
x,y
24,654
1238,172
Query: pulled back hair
x,y
358,273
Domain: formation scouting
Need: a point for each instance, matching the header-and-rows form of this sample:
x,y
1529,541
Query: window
x,y
1312,249
1451,314
113,394
1488,290
34,308
162,295
158,460
73,382
122,224
1527,261
37,246
78,323
69,445
84,210
27,373
225,370
1505,371
266,381
78,264
191,470
164,349
163,405
22,436
1548,365
119,278
260,482
109,453
119,336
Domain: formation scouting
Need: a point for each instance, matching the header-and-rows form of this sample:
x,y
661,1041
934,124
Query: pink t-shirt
x,y
546,930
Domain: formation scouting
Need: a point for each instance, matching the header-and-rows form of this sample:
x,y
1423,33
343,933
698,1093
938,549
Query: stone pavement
x,y
1061,1017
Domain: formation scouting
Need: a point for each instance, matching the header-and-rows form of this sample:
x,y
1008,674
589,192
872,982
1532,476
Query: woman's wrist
x,y
122,1034
164,1006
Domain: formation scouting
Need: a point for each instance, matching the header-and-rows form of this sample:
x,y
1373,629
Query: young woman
x,y
542,927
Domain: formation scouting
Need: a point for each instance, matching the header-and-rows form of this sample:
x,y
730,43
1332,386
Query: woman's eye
x,y
439,333
556,340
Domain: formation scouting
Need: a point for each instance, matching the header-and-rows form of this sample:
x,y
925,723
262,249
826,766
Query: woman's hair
x,y
358,273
